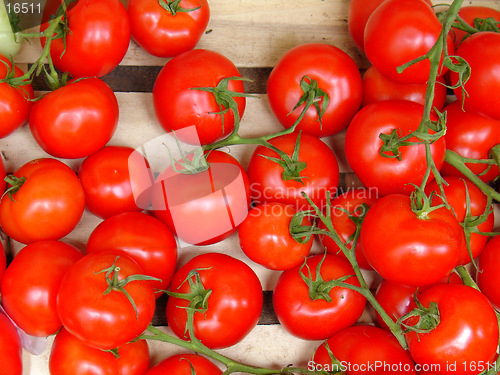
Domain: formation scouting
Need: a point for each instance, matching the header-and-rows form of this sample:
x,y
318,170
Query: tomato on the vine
x,y
11,350
487,275
232,308
184,364
469,14
46,206
320,70
167,32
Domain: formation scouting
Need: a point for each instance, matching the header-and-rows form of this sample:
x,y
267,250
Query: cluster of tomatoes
x,y
418,220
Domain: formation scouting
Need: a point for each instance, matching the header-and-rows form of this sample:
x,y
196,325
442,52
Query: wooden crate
x,y
253,34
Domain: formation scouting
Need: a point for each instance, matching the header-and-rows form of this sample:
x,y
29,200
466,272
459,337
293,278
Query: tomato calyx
x,y
479,24
196,164
428,318
313,95
15,184
421,204
173,6
301,233
115,284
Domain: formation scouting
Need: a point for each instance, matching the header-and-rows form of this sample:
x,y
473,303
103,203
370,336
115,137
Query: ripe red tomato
x,y
308,315
467,334
377,88
469,14
335,73
172,90
71,356
233,307
11,350
214,202
75,120
321,173
14,106
485,76
31,282
180,364
456,196
142,237
265,237
164,34
487,277
106,180
362,147
352,201
363,349
41,210
3,262
399,31
470,135
105,320
406,249
96,43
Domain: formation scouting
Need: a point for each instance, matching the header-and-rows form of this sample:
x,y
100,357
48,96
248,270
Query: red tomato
x,y
399,31
31,282
71,356
214,202
406,249
265,237
456,196
321,173
164,34
487,277
351,201
362,147
11,350
377,88
469,14
363,349
485,76
3,174
14,106
75,120
96,43
40,210
172,90
106,180
105,320
233,307
467,334
180,364
142,237
3,262
336,75
307,314
470,135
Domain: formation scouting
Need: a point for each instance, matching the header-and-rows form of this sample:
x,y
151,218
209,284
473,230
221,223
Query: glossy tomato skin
x,y
470,135
352,201
42,210
14,106
394,239
30,285
162,34
362,146
215,201
399,31
142,237
75,120
236,292
172,91
469,14
180,365
456,192
359,348
335,72
485,78
104,321
377,88
467,333
317,319
11,349
487,277
265,237
321,174
106,180
3,262
97,42
71,356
